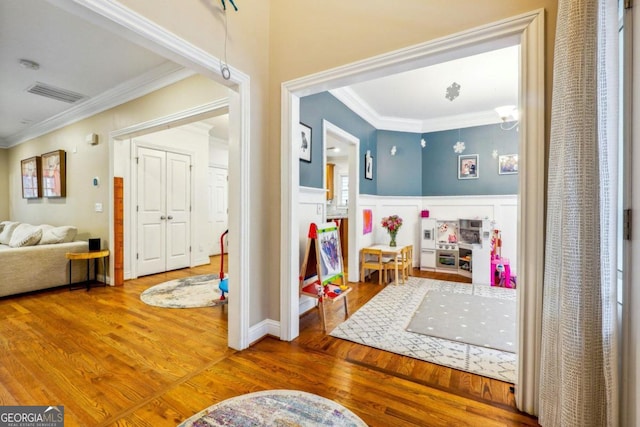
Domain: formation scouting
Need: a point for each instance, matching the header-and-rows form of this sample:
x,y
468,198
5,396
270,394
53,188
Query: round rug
x,y
275,408
188,292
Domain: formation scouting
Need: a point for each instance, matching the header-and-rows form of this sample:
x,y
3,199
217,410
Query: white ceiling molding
x,y
162,76
356,104
461,121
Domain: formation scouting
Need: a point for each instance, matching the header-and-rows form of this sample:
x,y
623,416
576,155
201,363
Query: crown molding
x,y
356,104
157,78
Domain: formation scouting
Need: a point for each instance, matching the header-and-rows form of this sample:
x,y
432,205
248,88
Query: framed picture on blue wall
x,y
305,143
368,165
508,164
468,166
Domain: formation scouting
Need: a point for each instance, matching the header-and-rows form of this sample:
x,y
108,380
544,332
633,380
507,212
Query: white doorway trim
x,y
138,29
527,30
355,221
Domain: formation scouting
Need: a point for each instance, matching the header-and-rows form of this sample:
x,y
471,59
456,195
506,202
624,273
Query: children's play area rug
x,y
383,323
275,408
188,292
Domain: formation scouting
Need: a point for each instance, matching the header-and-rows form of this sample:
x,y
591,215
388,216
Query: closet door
x,y
163,211
178,199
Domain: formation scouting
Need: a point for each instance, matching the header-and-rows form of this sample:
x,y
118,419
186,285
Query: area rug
x,y
381,323
188,292
468,318
275,408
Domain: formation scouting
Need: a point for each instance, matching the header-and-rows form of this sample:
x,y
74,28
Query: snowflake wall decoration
x,y
459,147
453,91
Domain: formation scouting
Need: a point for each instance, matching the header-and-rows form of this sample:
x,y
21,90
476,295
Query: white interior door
x,y
178,192
163,204
218,209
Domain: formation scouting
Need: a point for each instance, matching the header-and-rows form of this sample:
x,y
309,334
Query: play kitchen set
x,y
468,247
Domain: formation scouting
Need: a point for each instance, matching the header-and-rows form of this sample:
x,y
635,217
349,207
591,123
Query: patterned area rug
x,y
275,408
381,324
189,292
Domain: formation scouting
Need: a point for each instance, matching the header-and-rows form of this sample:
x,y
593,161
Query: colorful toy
x,y
224,281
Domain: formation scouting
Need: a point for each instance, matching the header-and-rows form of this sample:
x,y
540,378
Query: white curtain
x,y
578,377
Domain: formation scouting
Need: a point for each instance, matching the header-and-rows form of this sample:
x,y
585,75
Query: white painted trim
x,y
172,120
528,29
264,328
356,104
164,75
138,29
531,212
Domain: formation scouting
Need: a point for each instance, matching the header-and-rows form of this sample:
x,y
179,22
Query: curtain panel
x,y
578,385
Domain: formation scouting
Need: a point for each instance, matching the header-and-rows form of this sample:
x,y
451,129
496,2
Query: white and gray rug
x,y
469,318
188,292
381,323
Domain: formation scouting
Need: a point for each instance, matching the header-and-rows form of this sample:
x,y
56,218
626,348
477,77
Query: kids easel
x,y
321,274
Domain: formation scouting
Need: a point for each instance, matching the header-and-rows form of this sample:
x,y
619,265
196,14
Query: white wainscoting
x,y
501,209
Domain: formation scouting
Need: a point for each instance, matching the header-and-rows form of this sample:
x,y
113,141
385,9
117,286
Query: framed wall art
x,y
305,143
508,164
31,171
468,166
368,166
54,174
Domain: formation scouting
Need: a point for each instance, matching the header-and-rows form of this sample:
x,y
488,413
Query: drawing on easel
x,y
330,256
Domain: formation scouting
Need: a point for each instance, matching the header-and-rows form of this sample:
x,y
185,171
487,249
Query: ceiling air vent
x,y
56,93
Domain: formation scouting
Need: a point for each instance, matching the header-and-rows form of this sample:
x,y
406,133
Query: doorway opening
x,y
525,30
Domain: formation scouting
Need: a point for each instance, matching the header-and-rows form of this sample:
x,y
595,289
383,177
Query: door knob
x,y
170,217
163,217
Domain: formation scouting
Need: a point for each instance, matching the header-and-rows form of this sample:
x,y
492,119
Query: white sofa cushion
x,y
63,234
25,235
7,231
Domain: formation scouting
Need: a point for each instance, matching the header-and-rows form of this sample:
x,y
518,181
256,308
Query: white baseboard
x,y
264,328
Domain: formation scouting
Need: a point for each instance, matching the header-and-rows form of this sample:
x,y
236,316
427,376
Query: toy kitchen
x,y
458,246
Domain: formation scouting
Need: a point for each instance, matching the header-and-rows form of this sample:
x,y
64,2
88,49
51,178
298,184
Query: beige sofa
x,y
33,257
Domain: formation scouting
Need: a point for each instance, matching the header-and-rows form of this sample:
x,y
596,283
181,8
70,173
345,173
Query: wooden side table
x,y
90,255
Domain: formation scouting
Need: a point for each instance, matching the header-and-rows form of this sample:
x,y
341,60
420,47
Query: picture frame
x,y
31,173
507,164
368,166
54,174
468,165
305,143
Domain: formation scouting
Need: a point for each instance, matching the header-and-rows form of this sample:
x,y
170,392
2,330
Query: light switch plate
x,y
98,207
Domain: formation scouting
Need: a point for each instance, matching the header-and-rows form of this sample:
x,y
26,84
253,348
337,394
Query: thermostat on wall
x,y
96,181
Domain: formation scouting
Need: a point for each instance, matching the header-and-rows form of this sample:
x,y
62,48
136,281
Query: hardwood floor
x,y
109,359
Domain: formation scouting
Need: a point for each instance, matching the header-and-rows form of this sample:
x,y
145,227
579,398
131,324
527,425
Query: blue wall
x,y
315,108
440,162
399,175
413,171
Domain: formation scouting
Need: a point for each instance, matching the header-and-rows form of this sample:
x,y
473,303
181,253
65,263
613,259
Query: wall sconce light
x,y
508,113
394,150
423,142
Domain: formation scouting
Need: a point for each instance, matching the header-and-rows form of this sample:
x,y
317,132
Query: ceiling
x,y
78,56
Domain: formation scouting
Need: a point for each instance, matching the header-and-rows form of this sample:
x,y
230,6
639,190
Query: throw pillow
x,y
7,231
25,235
63,234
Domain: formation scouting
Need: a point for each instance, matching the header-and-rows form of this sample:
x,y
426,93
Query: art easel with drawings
x,y
321,273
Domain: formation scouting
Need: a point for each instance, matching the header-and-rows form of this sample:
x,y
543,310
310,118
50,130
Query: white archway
x,y
527,30
146,33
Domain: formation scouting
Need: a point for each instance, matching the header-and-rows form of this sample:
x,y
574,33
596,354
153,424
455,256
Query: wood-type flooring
x,y
111,360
